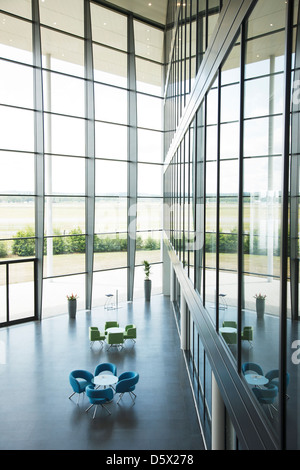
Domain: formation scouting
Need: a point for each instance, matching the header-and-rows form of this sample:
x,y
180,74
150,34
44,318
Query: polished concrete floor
x,y
35,361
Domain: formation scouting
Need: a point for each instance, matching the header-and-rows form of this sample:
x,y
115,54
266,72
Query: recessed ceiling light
x,y
149,4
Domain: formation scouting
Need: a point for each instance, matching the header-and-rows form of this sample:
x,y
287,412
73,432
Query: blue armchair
x,y
273,376
79,380
99,397
252,366
126,384
266,396
106,366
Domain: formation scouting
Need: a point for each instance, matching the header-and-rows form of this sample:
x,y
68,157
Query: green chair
x,y
95,335
130,333
110,324
231,324
115,339
247,334
230,338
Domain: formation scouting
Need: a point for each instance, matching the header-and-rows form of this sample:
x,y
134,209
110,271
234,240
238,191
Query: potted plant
x,y
260,304
147,281
72,305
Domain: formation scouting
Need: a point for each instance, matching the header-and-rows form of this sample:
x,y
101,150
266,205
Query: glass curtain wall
x,y
17,160
242,150
75,70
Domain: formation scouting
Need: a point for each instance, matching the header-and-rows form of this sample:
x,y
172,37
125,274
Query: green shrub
x,y
3,250
23,246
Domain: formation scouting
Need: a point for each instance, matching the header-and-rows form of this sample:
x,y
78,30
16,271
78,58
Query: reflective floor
x,y
35,361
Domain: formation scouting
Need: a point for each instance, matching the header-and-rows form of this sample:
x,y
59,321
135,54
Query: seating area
x,y
84,382
229,333
113,335
266,386
42,354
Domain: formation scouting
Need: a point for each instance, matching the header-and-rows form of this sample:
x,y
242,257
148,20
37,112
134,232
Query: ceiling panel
x,y
155,10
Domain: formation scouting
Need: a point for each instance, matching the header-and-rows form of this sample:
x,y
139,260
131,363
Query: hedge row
x,y
24,245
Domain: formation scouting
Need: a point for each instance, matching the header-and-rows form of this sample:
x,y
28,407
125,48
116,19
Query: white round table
x,y
105,379
256,379
228,329
115,329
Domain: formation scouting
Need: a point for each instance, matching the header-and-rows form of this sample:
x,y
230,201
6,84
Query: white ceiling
x,y
155,10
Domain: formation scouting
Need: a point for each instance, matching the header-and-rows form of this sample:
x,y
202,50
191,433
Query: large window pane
x,y
17,129
149,214
149,77
148,41
110,215
59,92
63,215
110,66
16,173
110,251
67,136
21,291
64,175
109,282
111,178
64,255
149,146
62,52
110,104
66,15
105,134
15,39
17,214
109,27
149,112
149,180
55,291
16,84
